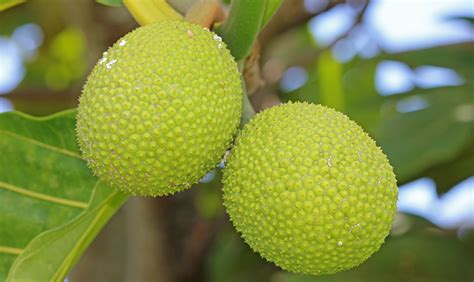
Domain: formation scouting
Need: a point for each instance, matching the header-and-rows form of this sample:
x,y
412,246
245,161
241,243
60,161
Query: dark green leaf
x,y
452,172
415,141
458,57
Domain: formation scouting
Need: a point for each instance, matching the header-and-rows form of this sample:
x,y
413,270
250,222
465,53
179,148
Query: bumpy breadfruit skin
x,y
160,108
309,190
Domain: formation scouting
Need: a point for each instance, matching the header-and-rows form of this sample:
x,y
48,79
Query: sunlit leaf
x,y
51,255
45,186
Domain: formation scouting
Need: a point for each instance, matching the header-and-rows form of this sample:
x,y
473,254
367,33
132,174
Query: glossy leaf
x,y
44,184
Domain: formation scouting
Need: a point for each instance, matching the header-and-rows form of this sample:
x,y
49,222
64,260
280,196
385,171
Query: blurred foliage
x,y
209,195
11,19
63,63
421,253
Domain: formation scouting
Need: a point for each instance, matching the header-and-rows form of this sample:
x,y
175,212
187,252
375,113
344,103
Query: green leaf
x,y
45,187
452,172
50,256
5,4
456,56
415,141
246,19
112,3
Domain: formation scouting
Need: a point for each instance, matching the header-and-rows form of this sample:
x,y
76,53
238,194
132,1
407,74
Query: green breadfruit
x,y
309,190
160,108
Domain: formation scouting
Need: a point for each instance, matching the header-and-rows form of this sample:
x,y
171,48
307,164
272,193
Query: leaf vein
x,y
10,250
44,197
44,145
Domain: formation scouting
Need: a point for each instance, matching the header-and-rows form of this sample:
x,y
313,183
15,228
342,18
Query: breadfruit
x,y
159,109
309,190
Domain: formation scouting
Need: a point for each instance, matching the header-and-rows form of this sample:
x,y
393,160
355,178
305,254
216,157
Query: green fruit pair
x,y
304,185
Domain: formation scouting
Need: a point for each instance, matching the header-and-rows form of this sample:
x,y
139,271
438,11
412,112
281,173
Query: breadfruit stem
x,y
241,28
150,11
205,13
